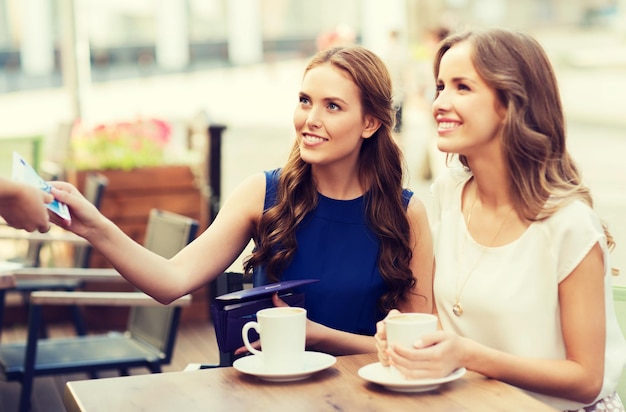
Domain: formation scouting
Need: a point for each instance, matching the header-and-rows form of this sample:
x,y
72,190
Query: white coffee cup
x,y
283,336
404,329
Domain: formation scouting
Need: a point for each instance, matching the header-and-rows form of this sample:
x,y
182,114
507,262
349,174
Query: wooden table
x,y
338,388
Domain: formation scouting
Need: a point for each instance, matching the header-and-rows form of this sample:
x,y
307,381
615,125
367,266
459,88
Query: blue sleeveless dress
x,y
335,246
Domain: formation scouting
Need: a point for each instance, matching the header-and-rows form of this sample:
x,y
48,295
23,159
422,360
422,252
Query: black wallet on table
x,y
233,310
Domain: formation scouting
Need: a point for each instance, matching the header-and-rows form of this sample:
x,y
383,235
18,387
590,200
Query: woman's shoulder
x,y
416,208
273,174
570,233
575,213
272,178
575,224
247,198
254,183
407,195
447,185
453,177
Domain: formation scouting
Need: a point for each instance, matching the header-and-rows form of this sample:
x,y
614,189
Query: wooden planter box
x,y
130,195
127,201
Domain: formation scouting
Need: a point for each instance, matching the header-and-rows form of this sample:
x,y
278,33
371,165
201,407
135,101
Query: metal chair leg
x,y
30,357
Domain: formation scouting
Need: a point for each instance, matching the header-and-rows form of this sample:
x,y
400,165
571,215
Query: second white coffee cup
x,y
283,338
404,329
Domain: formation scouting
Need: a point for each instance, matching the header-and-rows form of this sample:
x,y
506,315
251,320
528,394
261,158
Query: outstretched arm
x,y
198,263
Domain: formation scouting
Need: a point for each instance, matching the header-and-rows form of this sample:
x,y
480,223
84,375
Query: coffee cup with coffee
x,y
282,332
404,329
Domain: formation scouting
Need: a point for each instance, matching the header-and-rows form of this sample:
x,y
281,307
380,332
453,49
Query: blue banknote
x,y
23,172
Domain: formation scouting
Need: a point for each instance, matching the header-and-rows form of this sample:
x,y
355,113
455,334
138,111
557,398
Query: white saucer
x,y
313,362
376,373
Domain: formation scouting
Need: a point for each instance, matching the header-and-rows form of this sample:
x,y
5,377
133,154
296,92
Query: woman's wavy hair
x,y
380,170
544,176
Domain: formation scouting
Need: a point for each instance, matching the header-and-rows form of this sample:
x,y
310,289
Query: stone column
x,y
379,18
36,47
620,23
245,34
75,57
489,12
172,34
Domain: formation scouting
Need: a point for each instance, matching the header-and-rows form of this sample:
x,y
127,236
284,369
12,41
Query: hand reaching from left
x,y
23,207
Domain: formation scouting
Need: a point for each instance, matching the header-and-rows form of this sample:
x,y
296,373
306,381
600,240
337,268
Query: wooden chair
x,y
619,301
147,342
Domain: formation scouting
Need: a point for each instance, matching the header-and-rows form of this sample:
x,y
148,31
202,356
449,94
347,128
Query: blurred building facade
x,y
124,38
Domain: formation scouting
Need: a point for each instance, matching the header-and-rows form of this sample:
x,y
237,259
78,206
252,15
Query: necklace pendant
x,y
457,309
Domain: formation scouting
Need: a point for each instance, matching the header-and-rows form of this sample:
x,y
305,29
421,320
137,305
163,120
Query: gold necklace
x,y
457,308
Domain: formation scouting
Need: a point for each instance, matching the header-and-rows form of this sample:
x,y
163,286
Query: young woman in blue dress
x,y
336,211
523,280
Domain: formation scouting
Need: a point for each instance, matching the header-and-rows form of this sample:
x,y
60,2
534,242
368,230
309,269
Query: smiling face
x,y
329,119
468,113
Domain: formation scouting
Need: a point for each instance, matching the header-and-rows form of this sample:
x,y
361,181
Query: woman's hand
x,y
85,216
256,345
435,355
381,339
314,331
278,302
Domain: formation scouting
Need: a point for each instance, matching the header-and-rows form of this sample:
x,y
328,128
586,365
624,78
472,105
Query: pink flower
x,y
124,144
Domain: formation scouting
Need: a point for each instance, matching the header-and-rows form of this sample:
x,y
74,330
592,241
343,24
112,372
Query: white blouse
x,y
510,299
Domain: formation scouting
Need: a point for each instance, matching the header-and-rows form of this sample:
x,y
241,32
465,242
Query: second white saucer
x,y
376,373
313,362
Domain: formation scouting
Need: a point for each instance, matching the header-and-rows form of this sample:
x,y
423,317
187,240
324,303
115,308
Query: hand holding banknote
x,y
23,206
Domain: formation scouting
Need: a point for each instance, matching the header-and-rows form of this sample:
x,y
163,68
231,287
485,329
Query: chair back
x,y
95,185
619,302
166,234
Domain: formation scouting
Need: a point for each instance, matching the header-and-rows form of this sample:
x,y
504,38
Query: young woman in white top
x,y
523,279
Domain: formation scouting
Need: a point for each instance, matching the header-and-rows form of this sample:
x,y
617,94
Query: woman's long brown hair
x,y
543,175
380,171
